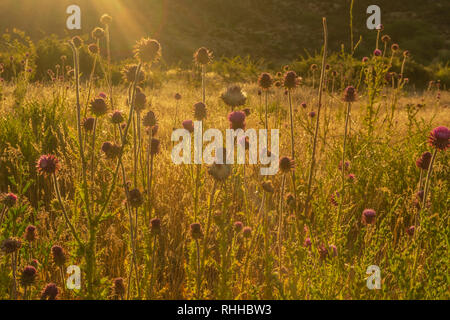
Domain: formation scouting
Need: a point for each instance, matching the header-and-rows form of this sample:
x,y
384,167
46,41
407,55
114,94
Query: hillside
x,y
269,29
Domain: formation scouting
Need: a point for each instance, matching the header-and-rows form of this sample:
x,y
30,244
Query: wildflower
x,y
368,216
277,84
351,177
304,105
9,200
312,114
423,162
149,119
106,19
380,27
98,107
377,52
147,50
233,96
196,231
117,117
129,74
135,198
50,292
203,56
247,232
395,47
346,165
34,263
59,255
265,80
333,250
118,287
291,80
28,276
307,243
410,231
177,96
155,225
323,252
47,165
350,94
365,59
10,245
188,125
406,53
286,164
439,138
88,123
237,120
334,198
30,233
199,111
238,225
268,186
246,111
313,67
98,33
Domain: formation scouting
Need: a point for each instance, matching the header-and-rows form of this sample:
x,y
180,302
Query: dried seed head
x,y
8,199
219,172
233,96
268,186
118,287
313,67
377,52
177,96
136,200
147,50
47,165
286,164
199,111
385,38
106,19
50,292
88,123
395,47
59,255
140,101
265,80
149,119
93,48
30,234
111,150
155,225
196,231
423,162
202,56
98,33
77,41
99,107
350,94
117,117
290,80
28,276
10,245
154,147
129,74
